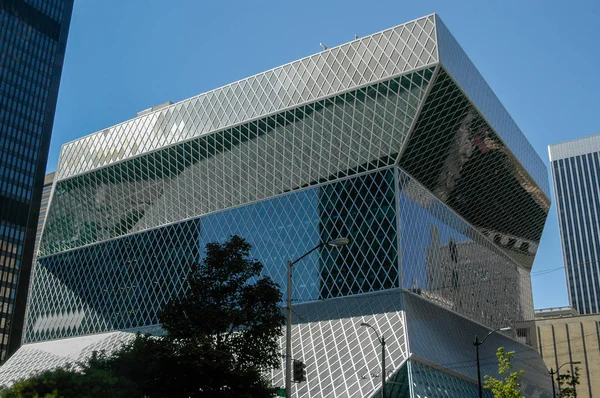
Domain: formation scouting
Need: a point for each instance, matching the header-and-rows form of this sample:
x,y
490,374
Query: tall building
x,y
562,337
33,36
393,140
576,174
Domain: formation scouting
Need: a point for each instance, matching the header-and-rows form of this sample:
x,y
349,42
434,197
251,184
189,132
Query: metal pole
x,y
288,335
552,378
477,344
288,330
383,366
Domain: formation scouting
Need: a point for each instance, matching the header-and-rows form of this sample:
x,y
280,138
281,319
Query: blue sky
x,y
539,57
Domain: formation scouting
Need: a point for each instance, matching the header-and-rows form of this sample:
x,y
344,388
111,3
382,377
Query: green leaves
x,y
93,380
230,307
567,383
508,386
222,336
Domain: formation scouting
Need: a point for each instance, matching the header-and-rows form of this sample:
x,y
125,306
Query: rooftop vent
x,y
154,108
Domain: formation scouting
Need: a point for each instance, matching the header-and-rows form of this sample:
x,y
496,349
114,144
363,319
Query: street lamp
x,y
382,342
477,343
339,242
552,373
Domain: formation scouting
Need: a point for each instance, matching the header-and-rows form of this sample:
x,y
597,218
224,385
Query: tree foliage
x,y
222,335
567,383
509,385
83,380
229,307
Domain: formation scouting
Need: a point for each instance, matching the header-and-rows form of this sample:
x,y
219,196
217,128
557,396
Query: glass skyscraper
x,y
576,174
33,35
393,140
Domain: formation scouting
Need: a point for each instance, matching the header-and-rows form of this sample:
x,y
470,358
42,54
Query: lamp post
x,y
339,242
382,342
477,343
555,372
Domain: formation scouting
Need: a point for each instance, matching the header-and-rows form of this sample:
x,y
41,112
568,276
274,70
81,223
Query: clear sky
x,y
539,57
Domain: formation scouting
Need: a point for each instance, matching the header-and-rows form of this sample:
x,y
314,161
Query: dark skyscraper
x,y
33,36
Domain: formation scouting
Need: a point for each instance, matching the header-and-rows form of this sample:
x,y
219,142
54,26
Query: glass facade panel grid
x,y
407,47
118,285
458,157
36,358
442,258
418,206
462,70
48,181
429,382
342,357
348,134
448,261
445,339
130,283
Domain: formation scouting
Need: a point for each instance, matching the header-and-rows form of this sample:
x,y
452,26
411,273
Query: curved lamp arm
x,y
566,363
492,332
375,330
339,242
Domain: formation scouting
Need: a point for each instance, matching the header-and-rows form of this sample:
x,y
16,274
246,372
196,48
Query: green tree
x,y
508,386
222,335
567,383
164,367
87,381
229,308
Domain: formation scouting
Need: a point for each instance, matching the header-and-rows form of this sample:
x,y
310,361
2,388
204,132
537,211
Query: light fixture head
x,y
576,363
339,242
365,324
506,329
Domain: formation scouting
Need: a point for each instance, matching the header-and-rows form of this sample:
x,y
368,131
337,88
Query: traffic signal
x,y
299,372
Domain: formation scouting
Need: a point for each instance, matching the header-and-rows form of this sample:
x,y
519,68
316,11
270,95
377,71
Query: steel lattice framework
x,y
393,140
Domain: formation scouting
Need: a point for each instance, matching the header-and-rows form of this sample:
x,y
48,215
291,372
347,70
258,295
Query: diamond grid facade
x,y
427,381
365,130
374,140
381,56
459,157
342,357
466,75
127,280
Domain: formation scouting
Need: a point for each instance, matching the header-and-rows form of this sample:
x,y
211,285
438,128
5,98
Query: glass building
x,y
33,35
47,190
576,174
393,140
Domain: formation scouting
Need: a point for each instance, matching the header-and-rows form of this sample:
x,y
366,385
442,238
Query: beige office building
x,y
562,336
